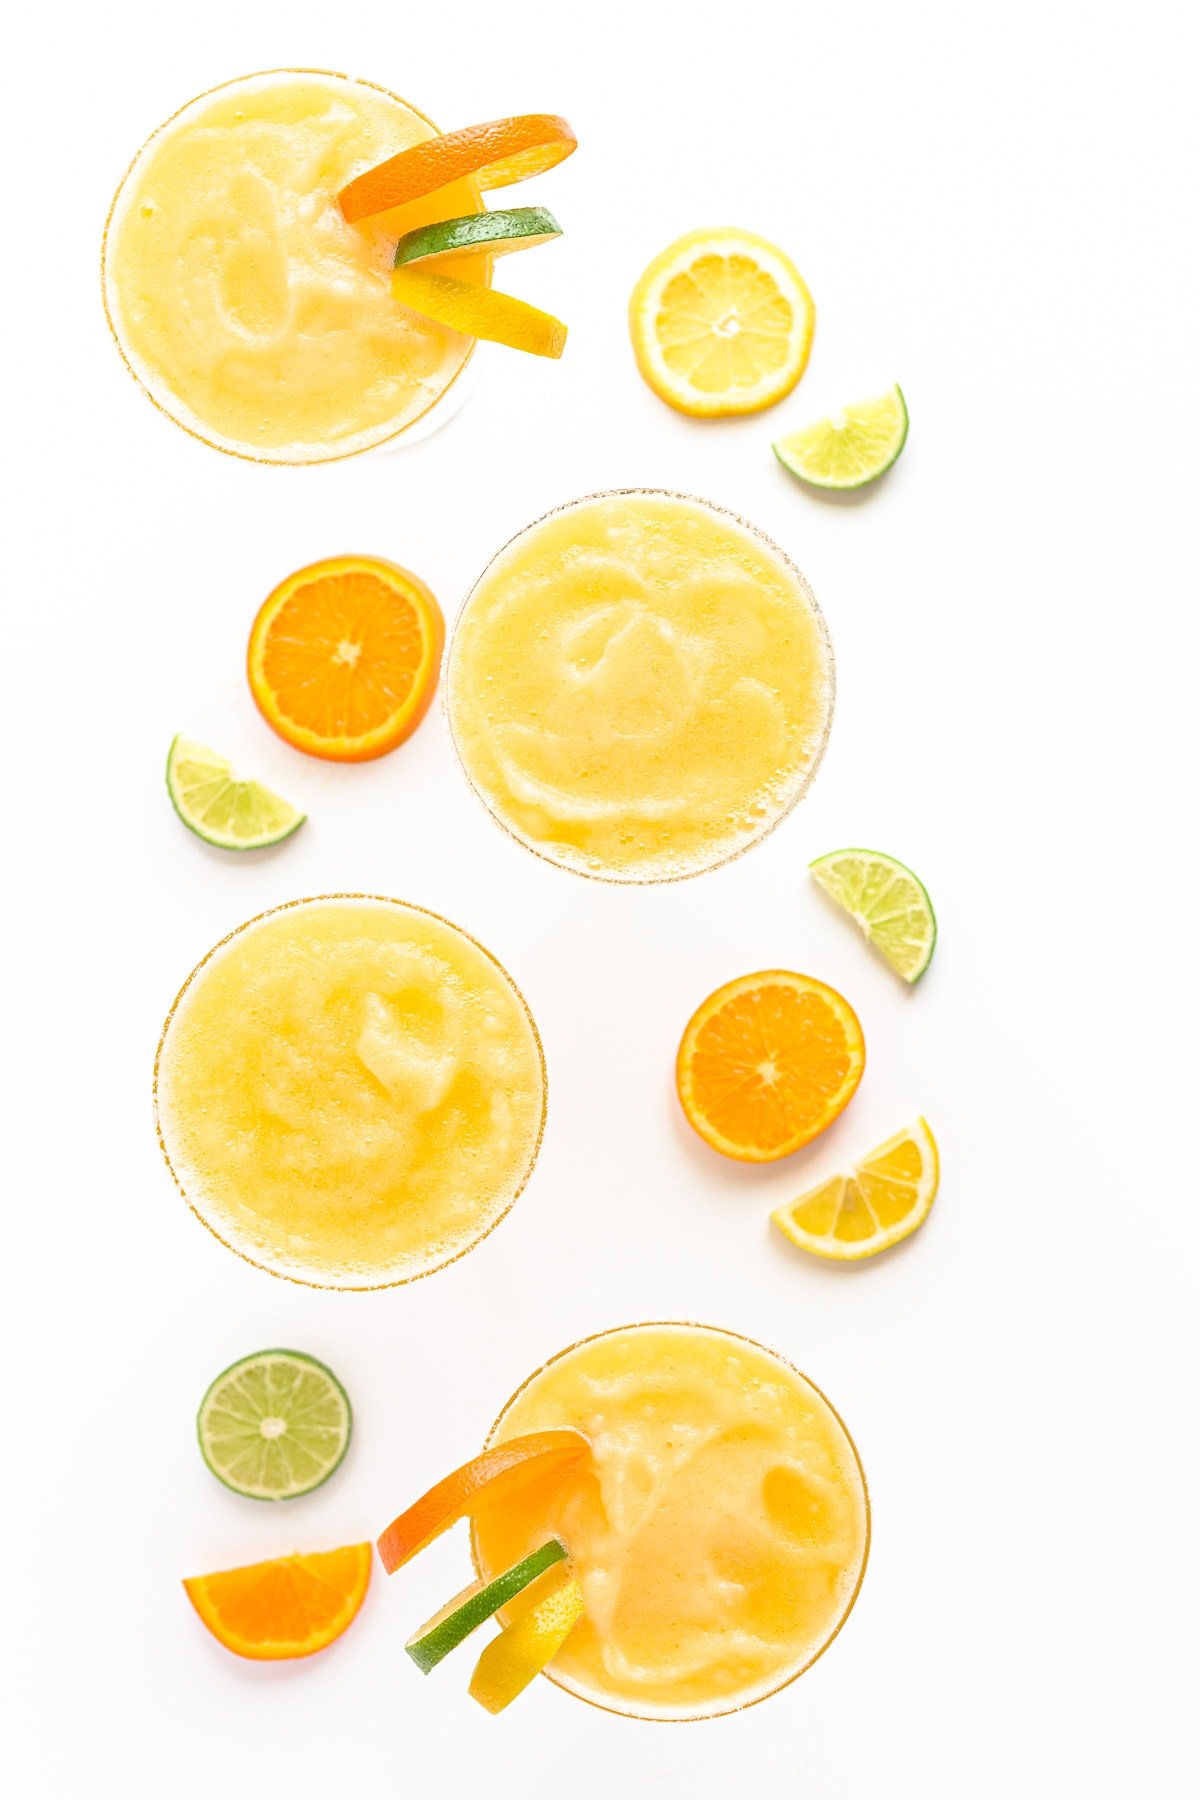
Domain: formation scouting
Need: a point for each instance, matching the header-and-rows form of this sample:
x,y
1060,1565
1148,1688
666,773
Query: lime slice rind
x,y
889,904
476,1604
274,1425
219,808
499,233
851,448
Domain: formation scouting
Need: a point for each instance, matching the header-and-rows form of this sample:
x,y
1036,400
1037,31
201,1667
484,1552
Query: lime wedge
x,y
514,228
887,901
212,802
274,1425
477,1603
852,447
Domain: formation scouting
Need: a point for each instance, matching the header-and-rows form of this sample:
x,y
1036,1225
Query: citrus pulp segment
x,y
850,448
888,903
721,323
767,1062
274,1425
230,813
343,657
877,1202
289,1607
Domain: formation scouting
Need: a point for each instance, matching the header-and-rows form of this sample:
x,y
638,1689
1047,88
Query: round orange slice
x,y
343,657
494,155
292,1606
767,1062
497,1474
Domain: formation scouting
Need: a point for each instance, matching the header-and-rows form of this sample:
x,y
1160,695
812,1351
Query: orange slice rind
x,y
289,1607
545,1618
879,1201
479,312
492,1476
494,155
767,1062
343,657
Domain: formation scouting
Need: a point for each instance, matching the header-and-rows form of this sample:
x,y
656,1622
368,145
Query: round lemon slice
x,y
875,1204
721,323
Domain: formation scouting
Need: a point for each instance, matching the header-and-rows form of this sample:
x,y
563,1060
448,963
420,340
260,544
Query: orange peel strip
x,y
482,1481
495,155
523,1649
479,312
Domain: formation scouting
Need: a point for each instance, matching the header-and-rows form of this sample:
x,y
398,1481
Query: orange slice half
x,y
292,1606
767,1062
494,1475
494,155
343,657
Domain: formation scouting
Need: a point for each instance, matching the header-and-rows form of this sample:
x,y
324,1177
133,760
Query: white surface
x,y
993,210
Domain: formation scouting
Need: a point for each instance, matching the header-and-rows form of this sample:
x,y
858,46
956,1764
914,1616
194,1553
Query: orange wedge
x,y
545,1617
293,1606
343,657
479,312
494,155
494,1475
767,1062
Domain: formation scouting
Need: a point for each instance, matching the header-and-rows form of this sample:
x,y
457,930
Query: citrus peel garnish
x,y
487,1478
455,1621
767,1062
291,1606
545,1620
498,233
494,155
479,312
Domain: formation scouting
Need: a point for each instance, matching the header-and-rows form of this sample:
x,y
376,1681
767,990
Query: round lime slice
x,y
887,901
477,1603
850,448
513,228
274,1425
212,802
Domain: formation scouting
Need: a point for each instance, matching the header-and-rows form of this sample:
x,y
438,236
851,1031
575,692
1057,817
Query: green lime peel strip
x,y
887,901
218,807
497,233
476,1604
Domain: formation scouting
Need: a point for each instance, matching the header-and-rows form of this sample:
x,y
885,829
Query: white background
x,y
994,209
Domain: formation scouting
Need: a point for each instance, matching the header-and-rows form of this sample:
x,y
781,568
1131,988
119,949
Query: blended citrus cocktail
x,y
639,686
243,302
718,1529
350,1091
